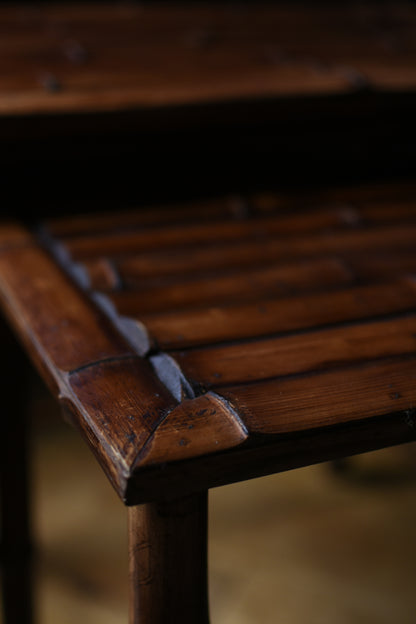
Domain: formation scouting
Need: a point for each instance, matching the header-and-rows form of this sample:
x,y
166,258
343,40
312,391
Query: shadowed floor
x,y
304,547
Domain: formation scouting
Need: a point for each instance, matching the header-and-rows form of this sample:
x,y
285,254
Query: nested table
x,y
70,69
203,344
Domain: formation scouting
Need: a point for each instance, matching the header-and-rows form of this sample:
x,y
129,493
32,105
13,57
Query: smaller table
x,y
203,344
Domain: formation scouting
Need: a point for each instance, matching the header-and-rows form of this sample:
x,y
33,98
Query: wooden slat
x,y
217,257
154,84
136,295
381,265
184,235
222,324
249,285
196,211
372,203
325,399
260,228
290,355
159,86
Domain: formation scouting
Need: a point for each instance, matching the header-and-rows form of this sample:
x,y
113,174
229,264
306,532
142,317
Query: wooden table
x,y
222,91
202,344
91,58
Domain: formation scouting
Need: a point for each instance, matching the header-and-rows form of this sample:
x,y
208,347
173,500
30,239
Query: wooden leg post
x,y
16,545
168,562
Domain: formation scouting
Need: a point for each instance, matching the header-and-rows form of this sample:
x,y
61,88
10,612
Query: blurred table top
x,y
99,57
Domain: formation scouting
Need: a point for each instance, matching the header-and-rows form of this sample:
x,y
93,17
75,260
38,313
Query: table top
x,y
200,344
83,59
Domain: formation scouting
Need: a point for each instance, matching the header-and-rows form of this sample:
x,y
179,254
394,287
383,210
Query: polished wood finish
x,y
42,301
101,381
365,391
179,330
192,430
168,561
184,293
218,366
259,251
349,201
193,344
235,227
184,235
82,357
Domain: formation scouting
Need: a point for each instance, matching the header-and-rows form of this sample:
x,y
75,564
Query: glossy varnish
x,y
200,339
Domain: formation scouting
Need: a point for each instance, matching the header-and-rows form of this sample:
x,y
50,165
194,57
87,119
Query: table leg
x,y
16,543
168,562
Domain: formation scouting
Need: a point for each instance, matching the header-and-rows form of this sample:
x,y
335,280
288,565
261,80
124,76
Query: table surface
x,y
205,343
89,58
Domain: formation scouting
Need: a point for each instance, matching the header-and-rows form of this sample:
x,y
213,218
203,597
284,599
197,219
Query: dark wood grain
x,y
183,235
207,343
382,266
135,236
294,299
244,285
220,256
365,204
290,355
168,561
137,296
196,211
110,393
302,327
177,330
301,403
83,358
196,428
117,405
